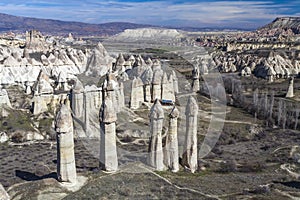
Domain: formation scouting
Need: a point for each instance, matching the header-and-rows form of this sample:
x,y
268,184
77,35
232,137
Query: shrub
x,y
228,166
17,138
252,167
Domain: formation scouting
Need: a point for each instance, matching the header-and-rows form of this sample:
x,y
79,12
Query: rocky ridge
x,y
284,23
148,34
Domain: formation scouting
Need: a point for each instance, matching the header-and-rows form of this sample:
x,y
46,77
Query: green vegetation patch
x,y
16,120
149,50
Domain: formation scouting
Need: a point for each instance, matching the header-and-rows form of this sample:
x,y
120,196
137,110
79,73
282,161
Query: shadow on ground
x,y
28,176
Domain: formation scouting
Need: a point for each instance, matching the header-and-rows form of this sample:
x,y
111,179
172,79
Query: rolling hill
x,y
57,27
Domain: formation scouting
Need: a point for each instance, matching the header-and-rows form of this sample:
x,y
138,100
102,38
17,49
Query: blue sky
x,y
192,13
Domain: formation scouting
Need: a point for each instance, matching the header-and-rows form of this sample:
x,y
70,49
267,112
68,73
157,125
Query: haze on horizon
x,y
245,14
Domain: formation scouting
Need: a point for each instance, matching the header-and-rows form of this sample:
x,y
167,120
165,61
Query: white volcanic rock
x,y
290,92
3,193
73,56
57,62
43,85
137,93
155,157
168,87
148,33
10,75
131,59
123,77
5,51
171,157
156,65
77,99
100,62
45,60
282,65
3,138
66,168
4,99
11,61
52,58
189,157
108,146
94,97
82,59
120,60
64,57
156,84
149,62
138,68
16,69
147,76
175,82
22,74
35,40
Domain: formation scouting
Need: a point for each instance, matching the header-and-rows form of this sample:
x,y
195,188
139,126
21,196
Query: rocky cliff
x,y
284,23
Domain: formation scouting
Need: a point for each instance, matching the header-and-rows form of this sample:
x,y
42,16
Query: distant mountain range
x,y
57,27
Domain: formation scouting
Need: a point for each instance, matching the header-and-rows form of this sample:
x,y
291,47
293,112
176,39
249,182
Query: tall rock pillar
x,y
290,92
196,82
77,99
108,146
189,158
137,93
121,96
66,168
147,77
155,158
168,88
175,82
171,149
156,84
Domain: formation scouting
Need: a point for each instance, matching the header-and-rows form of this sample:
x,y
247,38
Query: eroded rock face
x,y
43,85
66,168
3,137
238,59
39,105
155,158
171,157
156,84
147,77
168,92
77,99
196,76
99,63
121,96
120,63
153,34
290,92
189,158
108,146
137,93
4,99
138,67
175,82
24,65
111,87
35,40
